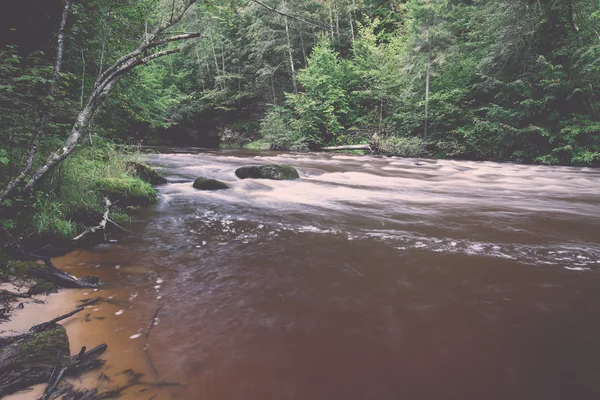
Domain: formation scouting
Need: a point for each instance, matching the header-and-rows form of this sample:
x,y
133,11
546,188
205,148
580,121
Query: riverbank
x,y
114,318
123,191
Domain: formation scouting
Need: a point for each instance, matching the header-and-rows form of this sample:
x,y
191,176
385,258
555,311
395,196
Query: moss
x,y
145,173
24,269
43,288
43,348
127,190
271,171
209,184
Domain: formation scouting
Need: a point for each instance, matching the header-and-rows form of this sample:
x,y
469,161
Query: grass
x,y
126,189
258,145
77,187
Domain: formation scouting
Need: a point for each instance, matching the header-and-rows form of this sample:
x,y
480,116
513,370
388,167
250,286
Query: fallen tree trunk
x,y
63,279
49,273
349,147
42,356
6,293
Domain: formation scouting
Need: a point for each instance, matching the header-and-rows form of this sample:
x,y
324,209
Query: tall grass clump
x,y
73,193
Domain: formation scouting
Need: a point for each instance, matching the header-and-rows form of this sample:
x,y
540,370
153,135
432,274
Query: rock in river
x,y
209,184
145,173
278,172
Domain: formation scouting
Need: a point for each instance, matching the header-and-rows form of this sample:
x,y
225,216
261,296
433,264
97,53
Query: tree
x,y
105,83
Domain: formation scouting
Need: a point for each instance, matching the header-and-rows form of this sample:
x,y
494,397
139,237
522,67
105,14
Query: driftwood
x,y
6,293
349,147
102,225
63,279
67,392
42,355
48,325
146,346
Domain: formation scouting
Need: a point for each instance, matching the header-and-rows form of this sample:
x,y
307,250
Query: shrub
x,y
400,146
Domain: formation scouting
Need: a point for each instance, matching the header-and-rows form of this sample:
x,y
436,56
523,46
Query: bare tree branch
x,y
297,18
104,86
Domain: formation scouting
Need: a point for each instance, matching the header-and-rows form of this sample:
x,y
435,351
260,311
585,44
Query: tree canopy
x,y
503,80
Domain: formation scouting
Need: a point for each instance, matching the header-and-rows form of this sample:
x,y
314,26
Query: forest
x,y
468,79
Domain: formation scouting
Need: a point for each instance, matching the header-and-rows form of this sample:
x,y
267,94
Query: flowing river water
x,y
368,278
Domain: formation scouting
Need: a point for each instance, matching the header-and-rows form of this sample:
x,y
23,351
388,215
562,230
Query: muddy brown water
x,y
368,278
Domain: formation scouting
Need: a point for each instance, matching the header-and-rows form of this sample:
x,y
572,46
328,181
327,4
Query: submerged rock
x,y
279,172
145,173
209,184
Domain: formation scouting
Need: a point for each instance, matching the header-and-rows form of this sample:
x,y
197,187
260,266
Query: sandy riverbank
x,y
112,321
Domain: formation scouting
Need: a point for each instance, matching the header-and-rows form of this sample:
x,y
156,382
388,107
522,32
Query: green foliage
x,y
278,134
4,157
49,217
78,175
323,113
258,145
400,146
75,191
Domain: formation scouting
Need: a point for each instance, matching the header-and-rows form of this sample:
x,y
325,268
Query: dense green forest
x,y
486,80
505,80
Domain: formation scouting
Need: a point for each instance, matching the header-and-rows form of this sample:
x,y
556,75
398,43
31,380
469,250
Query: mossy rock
x,y
277,172
146,173
25,269
209,184
43,288
127,190
43,347
29,359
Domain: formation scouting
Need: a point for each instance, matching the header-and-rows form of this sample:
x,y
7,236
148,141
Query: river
x,y
368,278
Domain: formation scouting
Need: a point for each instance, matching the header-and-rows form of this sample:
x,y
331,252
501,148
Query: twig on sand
x,y
146,346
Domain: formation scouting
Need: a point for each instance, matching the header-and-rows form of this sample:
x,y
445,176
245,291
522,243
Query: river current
x,y
368,278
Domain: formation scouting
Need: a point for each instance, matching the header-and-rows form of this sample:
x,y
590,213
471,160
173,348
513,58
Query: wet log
x,y
49,273
48,325
349,147
42,355
6,293
63,279
101,225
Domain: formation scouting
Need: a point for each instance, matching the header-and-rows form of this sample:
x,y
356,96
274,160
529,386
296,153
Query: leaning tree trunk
x,y
105,84
289,46
427,81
